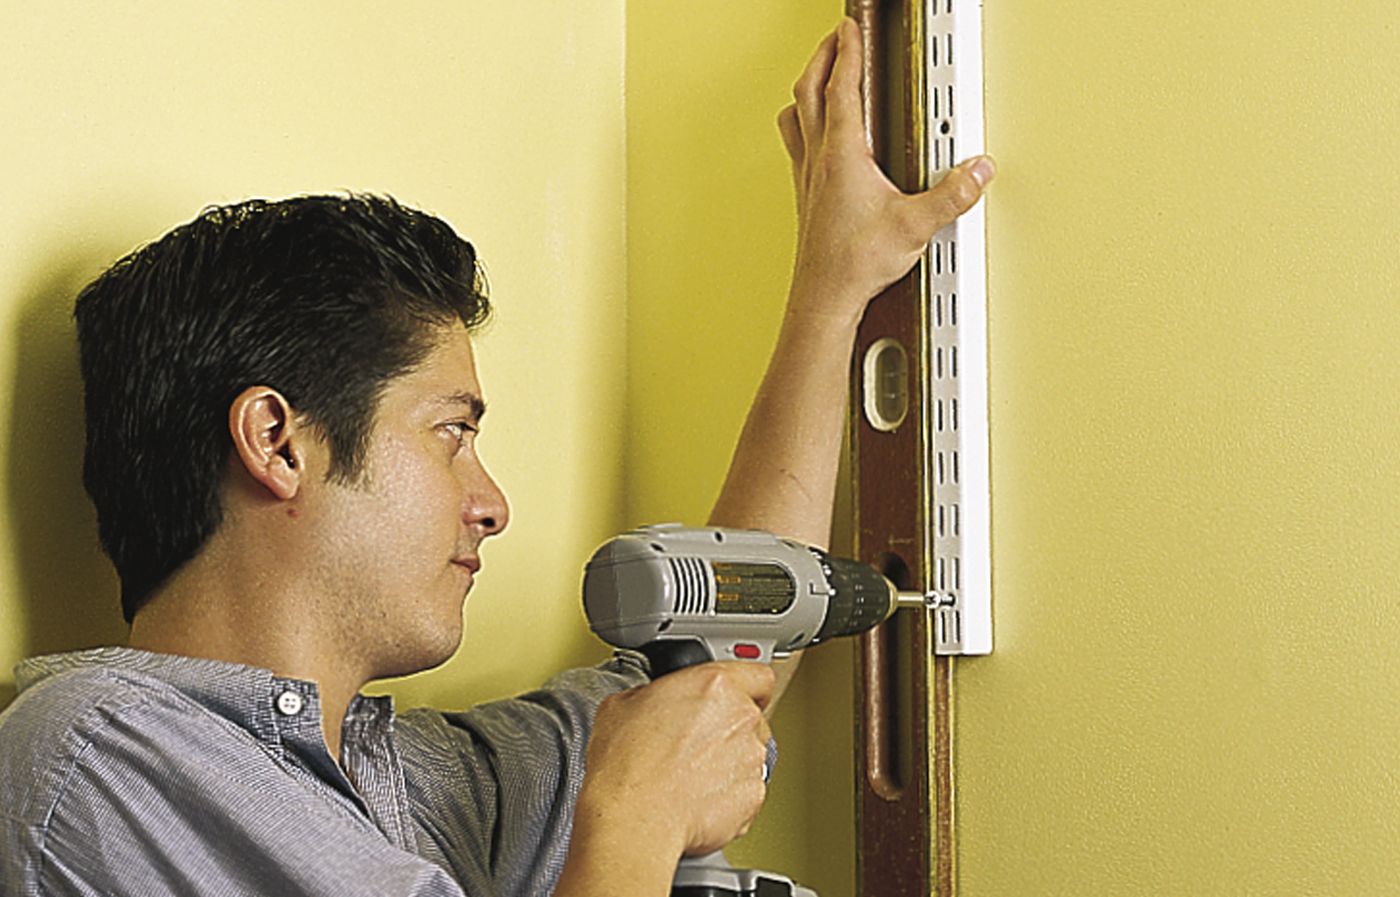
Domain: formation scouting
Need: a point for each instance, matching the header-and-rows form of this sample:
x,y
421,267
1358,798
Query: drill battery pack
x,y
726,881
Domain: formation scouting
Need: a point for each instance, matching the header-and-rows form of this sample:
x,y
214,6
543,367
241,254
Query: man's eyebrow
x,y
474,403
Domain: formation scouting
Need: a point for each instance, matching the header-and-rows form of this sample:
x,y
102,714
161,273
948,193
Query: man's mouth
x,y
471,562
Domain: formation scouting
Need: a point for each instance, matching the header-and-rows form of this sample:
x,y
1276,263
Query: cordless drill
x,y
682,596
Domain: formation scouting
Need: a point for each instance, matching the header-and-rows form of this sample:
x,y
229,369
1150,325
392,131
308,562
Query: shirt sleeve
x,y
492,789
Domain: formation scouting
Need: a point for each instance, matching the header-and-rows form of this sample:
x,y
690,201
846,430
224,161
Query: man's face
x,y
401,545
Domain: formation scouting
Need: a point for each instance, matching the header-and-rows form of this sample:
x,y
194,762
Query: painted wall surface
x,y
509,122
1195,289
710,231
123,120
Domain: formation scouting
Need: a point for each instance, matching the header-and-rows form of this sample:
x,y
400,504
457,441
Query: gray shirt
x,y
125,772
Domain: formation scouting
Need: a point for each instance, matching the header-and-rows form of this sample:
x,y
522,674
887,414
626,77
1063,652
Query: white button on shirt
x,y
289,703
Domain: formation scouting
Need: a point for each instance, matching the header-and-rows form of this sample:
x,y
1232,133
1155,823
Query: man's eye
x,y
459,430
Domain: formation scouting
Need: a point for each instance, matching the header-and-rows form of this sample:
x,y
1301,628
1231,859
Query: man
x,y
282,402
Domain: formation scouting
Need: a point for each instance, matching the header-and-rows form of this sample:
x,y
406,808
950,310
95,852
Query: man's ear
x,y
267,440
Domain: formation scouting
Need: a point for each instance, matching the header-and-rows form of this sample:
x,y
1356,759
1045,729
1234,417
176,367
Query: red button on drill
x,y
747,652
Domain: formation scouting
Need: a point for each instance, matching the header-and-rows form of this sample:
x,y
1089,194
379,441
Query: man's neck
x,y
192,617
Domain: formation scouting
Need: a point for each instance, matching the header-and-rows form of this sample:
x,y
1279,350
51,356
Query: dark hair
x,y
323,298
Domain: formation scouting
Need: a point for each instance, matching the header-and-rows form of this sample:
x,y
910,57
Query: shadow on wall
x,y
68,590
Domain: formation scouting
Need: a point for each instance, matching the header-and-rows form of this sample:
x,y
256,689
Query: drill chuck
x,y
861,598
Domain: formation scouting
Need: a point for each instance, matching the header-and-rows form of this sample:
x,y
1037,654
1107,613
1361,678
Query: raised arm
x,y
676,766
857,233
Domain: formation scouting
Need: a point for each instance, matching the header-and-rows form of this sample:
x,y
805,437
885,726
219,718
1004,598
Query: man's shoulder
x,y
55,722
625,669
71,703
560,711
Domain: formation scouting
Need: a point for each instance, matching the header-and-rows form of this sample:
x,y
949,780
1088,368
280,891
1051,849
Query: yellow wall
x,y
508,121
121,122
710,230
1195,310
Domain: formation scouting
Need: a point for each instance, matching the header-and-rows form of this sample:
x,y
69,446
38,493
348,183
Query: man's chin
x,y
427,652
445,648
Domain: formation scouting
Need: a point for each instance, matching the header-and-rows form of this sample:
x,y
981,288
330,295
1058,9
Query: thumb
x,y
959,191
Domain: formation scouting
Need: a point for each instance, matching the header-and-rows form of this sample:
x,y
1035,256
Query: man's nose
x,y
485,506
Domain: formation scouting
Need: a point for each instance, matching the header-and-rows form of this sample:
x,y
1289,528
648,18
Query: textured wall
x,y
121,121
1194,269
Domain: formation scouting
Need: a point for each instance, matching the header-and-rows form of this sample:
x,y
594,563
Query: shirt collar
x,y
252,697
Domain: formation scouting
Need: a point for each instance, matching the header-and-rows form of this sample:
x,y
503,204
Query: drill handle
x,y
669,655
